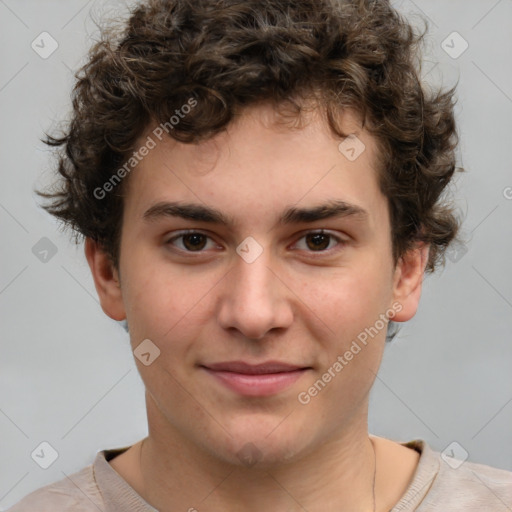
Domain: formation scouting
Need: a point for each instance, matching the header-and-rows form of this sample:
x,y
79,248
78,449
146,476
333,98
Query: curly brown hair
x,y
226,55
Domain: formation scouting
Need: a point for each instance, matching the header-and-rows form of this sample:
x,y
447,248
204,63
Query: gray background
x,y
66,373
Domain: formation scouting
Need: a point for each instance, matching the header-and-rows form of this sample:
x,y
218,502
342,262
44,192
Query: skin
x,y
294,303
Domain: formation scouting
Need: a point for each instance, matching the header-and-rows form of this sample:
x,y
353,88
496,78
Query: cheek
x,y
168,306
350,304
351,355
350,299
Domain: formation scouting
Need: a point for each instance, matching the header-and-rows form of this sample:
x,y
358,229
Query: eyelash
x,y
339,246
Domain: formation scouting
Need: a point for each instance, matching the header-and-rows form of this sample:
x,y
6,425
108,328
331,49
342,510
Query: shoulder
x,y
470,487
77,492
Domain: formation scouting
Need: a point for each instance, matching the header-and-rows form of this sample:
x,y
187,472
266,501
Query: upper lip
x,y
254,369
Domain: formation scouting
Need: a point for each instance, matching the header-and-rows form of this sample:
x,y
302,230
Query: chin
x,y
253,446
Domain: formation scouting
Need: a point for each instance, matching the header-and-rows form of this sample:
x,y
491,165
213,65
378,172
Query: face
x,y
259,285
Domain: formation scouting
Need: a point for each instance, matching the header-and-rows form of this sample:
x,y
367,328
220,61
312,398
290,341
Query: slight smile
x,y
263,379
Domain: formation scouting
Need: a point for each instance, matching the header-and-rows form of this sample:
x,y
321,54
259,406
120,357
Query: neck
x,y
335,476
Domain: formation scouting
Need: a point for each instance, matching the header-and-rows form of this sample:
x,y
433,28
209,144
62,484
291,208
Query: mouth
x,y
263,379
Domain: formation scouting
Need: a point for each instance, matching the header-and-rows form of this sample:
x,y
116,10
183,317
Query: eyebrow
x,y
292,215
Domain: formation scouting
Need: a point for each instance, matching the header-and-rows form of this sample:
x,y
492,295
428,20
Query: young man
x,y
258,185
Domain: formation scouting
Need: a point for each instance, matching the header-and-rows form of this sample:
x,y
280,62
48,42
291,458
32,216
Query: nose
x,y
255,299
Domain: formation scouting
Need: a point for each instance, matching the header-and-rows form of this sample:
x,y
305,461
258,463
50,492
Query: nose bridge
x,y
253,277
255,300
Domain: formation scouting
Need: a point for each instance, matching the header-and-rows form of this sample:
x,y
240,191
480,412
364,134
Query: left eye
x,y
316,241
320,240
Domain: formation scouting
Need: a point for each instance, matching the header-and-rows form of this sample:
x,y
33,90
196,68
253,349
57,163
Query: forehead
x,y
257,167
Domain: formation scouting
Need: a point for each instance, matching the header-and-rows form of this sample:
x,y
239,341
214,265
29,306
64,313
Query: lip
x,y
263,379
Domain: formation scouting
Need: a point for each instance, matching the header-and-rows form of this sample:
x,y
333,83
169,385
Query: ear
x,y
106,280
408,279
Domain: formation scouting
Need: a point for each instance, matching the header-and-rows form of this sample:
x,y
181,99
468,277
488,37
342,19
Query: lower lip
x,y
257,385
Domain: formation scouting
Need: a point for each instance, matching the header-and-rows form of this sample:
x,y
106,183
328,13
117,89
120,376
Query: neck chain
x,y
374,474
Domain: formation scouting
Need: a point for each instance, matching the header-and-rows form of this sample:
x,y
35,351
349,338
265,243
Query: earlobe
x,y
106,280
408,281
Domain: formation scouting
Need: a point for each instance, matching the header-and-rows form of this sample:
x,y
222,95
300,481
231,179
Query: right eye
x,y
191,241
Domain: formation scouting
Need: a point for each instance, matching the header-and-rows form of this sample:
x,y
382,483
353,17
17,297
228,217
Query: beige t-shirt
x,y
435,487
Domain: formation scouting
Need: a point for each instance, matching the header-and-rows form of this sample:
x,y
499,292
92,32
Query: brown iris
x,y
316,238
195,241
